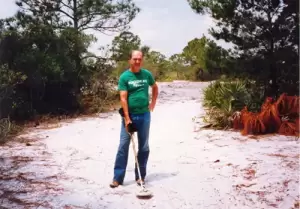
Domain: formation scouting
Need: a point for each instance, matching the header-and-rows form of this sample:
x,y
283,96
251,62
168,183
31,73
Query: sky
x,y
164,25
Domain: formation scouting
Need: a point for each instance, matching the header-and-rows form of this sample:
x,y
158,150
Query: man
x,y
134,87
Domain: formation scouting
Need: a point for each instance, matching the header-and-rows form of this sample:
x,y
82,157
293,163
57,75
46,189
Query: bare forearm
x,y
125,108
154,93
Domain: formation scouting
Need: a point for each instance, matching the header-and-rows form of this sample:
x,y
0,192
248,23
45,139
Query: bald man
x,y
134,86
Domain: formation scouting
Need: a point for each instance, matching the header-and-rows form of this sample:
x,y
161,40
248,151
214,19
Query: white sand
x,y
71,166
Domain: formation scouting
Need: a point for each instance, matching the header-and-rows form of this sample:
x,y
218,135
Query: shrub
x,y
8,129
224,97
281,116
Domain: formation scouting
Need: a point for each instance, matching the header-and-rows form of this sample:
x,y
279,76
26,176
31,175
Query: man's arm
x,y
122,87
124,104
154,93
154,86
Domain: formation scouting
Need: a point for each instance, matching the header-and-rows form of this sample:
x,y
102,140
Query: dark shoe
x,y
139,182
114,184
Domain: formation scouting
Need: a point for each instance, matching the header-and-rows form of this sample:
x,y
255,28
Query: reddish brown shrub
x,y
270,118
253,124
288,128
288,105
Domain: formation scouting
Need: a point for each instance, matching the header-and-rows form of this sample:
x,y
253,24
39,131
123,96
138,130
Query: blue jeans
x,y
142,124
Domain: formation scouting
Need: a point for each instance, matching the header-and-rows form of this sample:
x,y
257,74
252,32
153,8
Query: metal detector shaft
x,y
136,160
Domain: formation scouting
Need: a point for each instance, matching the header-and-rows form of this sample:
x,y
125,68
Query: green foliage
x,y
184,66
205,56
47,60
45,64
120,67
123,44
8,81
224,97
5,128
156,62
9,77
176,66
46,67
265,35
120,50
8,129
101,15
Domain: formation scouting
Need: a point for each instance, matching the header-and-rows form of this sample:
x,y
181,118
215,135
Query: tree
x,y
157,63
44,58
205,54
145,49
265,34
120,49
45,46
99,15
123,44
78,16
178,65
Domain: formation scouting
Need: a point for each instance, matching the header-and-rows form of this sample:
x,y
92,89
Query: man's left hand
x,y
152,106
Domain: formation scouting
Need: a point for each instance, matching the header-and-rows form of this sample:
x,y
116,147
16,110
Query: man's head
x,y
135,60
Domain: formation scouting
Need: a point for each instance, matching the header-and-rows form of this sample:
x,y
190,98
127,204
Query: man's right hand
x,y
127,122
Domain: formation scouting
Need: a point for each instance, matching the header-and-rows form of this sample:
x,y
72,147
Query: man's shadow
x,y
154,177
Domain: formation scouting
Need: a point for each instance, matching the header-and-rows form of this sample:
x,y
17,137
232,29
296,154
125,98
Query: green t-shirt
x,y
137,85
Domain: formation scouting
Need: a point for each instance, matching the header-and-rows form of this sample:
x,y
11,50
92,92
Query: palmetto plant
x,y
222,98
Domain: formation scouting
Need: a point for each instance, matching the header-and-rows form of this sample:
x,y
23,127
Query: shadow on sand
x,y
153,177
160,176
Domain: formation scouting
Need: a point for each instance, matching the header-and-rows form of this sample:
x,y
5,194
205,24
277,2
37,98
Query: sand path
x,y
71,166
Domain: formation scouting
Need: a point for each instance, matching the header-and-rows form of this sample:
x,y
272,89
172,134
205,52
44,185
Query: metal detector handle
x,y
131,127
121,112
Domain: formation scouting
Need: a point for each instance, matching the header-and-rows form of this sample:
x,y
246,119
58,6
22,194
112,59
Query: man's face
x,y
136,60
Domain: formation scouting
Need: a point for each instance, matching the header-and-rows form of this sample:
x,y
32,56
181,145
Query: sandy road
x,y
71,166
